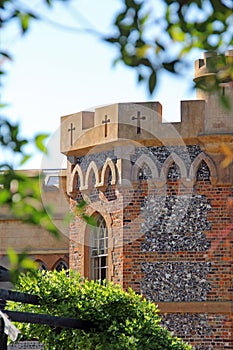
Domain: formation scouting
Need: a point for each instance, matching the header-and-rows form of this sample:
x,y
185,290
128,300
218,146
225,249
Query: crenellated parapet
x,y
142,123
139,122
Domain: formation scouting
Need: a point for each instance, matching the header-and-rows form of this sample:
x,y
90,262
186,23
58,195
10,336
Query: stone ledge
x,y
26,345
209,307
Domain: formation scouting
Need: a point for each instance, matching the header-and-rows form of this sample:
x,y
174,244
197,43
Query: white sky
x,y
57,72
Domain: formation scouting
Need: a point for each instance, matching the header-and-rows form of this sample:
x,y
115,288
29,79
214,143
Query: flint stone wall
x,y
188,326
175,223
175,281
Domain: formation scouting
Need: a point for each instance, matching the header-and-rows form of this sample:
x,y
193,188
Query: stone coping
x,y
209,307
26,345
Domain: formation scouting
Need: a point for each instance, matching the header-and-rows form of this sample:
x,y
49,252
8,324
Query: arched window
x,y
61,265
42,265
173,173
98,254
108,176
144,172
203,172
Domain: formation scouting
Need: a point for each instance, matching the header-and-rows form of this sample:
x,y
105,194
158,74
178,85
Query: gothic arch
x,y
61,264
196,163
144,159
92,167
108,164
173,158
77,171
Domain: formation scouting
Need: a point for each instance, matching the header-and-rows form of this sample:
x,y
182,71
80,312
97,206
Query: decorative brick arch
x,y
108,164
196,163
144,159
91,167
173,158
77,171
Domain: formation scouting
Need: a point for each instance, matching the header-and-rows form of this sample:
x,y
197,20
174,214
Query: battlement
x,y
142,123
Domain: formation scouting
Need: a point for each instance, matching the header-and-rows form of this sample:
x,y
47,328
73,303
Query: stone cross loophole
x,y
71,129
105,122
139,118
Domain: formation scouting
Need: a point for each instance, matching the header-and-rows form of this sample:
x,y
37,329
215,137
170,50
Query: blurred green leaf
x,y
174,34
90,220
226,102
6,55
19,262
81,205
25,158
170,67
4,195
3,105
23,197
152,81
48,2
13,256
39,141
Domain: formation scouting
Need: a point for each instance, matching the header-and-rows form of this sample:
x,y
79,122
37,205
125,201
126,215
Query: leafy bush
x,y
122,320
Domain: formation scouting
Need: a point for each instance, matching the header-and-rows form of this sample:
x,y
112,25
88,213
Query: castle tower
x,y
209,70
161,200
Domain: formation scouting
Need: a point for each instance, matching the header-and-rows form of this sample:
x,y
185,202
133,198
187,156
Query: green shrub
x,y
122,320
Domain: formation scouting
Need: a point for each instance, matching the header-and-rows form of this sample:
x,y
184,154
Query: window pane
x,y
99,250
62,265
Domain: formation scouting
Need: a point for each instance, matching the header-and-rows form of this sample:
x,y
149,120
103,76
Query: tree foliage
x,y
122,320
157,36
151,36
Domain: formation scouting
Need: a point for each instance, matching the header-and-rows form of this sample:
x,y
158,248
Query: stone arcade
x,y
162,203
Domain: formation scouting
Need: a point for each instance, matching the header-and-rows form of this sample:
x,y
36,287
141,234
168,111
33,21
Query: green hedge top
x,y
122,320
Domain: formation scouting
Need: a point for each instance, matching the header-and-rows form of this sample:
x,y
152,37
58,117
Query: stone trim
x,y
91,167
209,307
26,345
144,159
196,163
188,168
174,158
109,163
77,171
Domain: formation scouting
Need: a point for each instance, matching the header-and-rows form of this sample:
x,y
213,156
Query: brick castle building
x,y
162,203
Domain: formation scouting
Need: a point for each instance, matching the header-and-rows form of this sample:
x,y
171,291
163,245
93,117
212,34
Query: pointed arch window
x,y
98,269
92,179
42,265
61,265
144,172
108,176
173,172
203,172
78,182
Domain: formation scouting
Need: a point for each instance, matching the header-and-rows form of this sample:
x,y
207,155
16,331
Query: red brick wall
x,y
204,272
